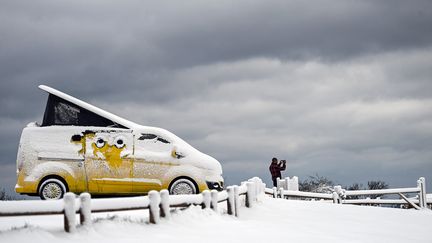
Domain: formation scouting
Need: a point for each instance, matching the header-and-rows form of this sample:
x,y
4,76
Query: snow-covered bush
x,y
4,196
316,183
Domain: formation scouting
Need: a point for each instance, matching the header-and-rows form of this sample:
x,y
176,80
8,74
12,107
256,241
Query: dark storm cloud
x,y
135,42
335,86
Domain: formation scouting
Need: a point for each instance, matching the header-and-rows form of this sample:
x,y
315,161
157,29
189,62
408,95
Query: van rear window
x,y
65,114
62,112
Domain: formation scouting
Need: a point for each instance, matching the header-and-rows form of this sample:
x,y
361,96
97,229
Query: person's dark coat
x,y
275,170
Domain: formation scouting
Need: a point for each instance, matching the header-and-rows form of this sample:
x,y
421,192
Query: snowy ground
x,y
271,220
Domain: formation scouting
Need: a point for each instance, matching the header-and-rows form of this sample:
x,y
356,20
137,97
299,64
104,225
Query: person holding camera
x,y
276,168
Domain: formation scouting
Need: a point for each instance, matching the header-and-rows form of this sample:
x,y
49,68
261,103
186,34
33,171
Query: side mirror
x,y
176,154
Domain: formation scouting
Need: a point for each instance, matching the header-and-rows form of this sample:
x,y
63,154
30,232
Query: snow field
x,y
270,220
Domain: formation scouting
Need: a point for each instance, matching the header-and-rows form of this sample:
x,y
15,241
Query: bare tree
x,y
354,187
376,185
317,183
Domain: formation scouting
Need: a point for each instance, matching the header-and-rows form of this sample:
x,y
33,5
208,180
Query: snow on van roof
x,y
193,154
89,107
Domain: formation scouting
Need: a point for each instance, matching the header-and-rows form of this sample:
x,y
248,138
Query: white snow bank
x,y
272,220
31,206
189,199
119,203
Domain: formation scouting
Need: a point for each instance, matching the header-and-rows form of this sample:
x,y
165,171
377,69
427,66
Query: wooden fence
x,y
339,195
158,204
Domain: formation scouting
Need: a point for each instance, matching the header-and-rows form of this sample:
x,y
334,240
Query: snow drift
x,y
270,220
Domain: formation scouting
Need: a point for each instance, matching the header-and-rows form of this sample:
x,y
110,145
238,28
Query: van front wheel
x,y
182,186
52,189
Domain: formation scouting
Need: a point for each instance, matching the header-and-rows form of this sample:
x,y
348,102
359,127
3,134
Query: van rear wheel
x,y
52,189
182,186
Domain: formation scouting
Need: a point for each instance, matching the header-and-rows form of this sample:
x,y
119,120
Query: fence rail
x,y
157,203
380,201
339,195
382,191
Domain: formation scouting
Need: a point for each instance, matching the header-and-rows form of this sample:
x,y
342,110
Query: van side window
x,y
147,136
153,143
162,140
63,113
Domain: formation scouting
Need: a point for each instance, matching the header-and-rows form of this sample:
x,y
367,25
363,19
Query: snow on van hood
x,y
192,155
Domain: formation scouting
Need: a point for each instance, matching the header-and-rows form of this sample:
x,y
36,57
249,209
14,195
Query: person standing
x,y
276,168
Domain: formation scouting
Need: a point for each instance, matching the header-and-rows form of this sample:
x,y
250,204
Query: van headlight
x,y
214,185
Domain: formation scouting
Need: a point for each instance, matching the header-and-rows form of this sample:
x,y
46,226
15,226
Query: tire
x,y
52,189
182,186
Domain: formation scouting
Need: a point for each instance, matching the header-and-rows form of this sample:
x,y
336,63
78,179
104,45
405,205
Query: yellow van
x,y
82,148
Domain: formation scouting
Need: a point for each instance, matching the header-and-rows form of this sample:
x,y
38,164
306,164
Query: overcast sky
x,y
339,88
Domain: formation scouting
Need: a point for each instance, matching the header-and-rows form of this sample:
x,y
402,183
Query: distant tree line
x,y
322,184
4,196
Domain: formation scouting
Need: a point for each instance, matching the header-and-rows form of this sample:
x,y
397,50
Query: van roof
x,y
87,106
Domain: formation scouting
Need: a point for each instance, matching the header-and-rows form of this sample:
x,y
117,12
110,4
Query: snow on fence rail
x,y
288,187
158,204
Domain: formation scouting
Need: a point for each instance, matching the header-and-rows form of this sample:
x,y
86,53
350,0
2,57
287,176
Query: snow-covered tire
x,y
52,189
182,186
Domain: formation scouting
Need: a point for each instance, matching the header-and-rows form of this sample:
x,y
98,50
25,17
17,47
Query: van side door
x,y
109,160
152,162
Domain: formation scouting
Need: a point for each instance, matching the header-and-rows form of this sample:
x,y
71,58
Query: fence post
x,y
424,191
164,205
85,209
421,183
255,181
340,193
286,186
206,199
250,194
336,198
281,193
69,212
294,184
214,200
257,186
155,200
278,183
274,192
230,201
420,196
236,201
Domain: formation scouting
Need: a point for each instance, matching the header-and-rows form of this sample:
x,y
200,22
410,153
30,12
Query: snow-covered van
x,y
82,148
